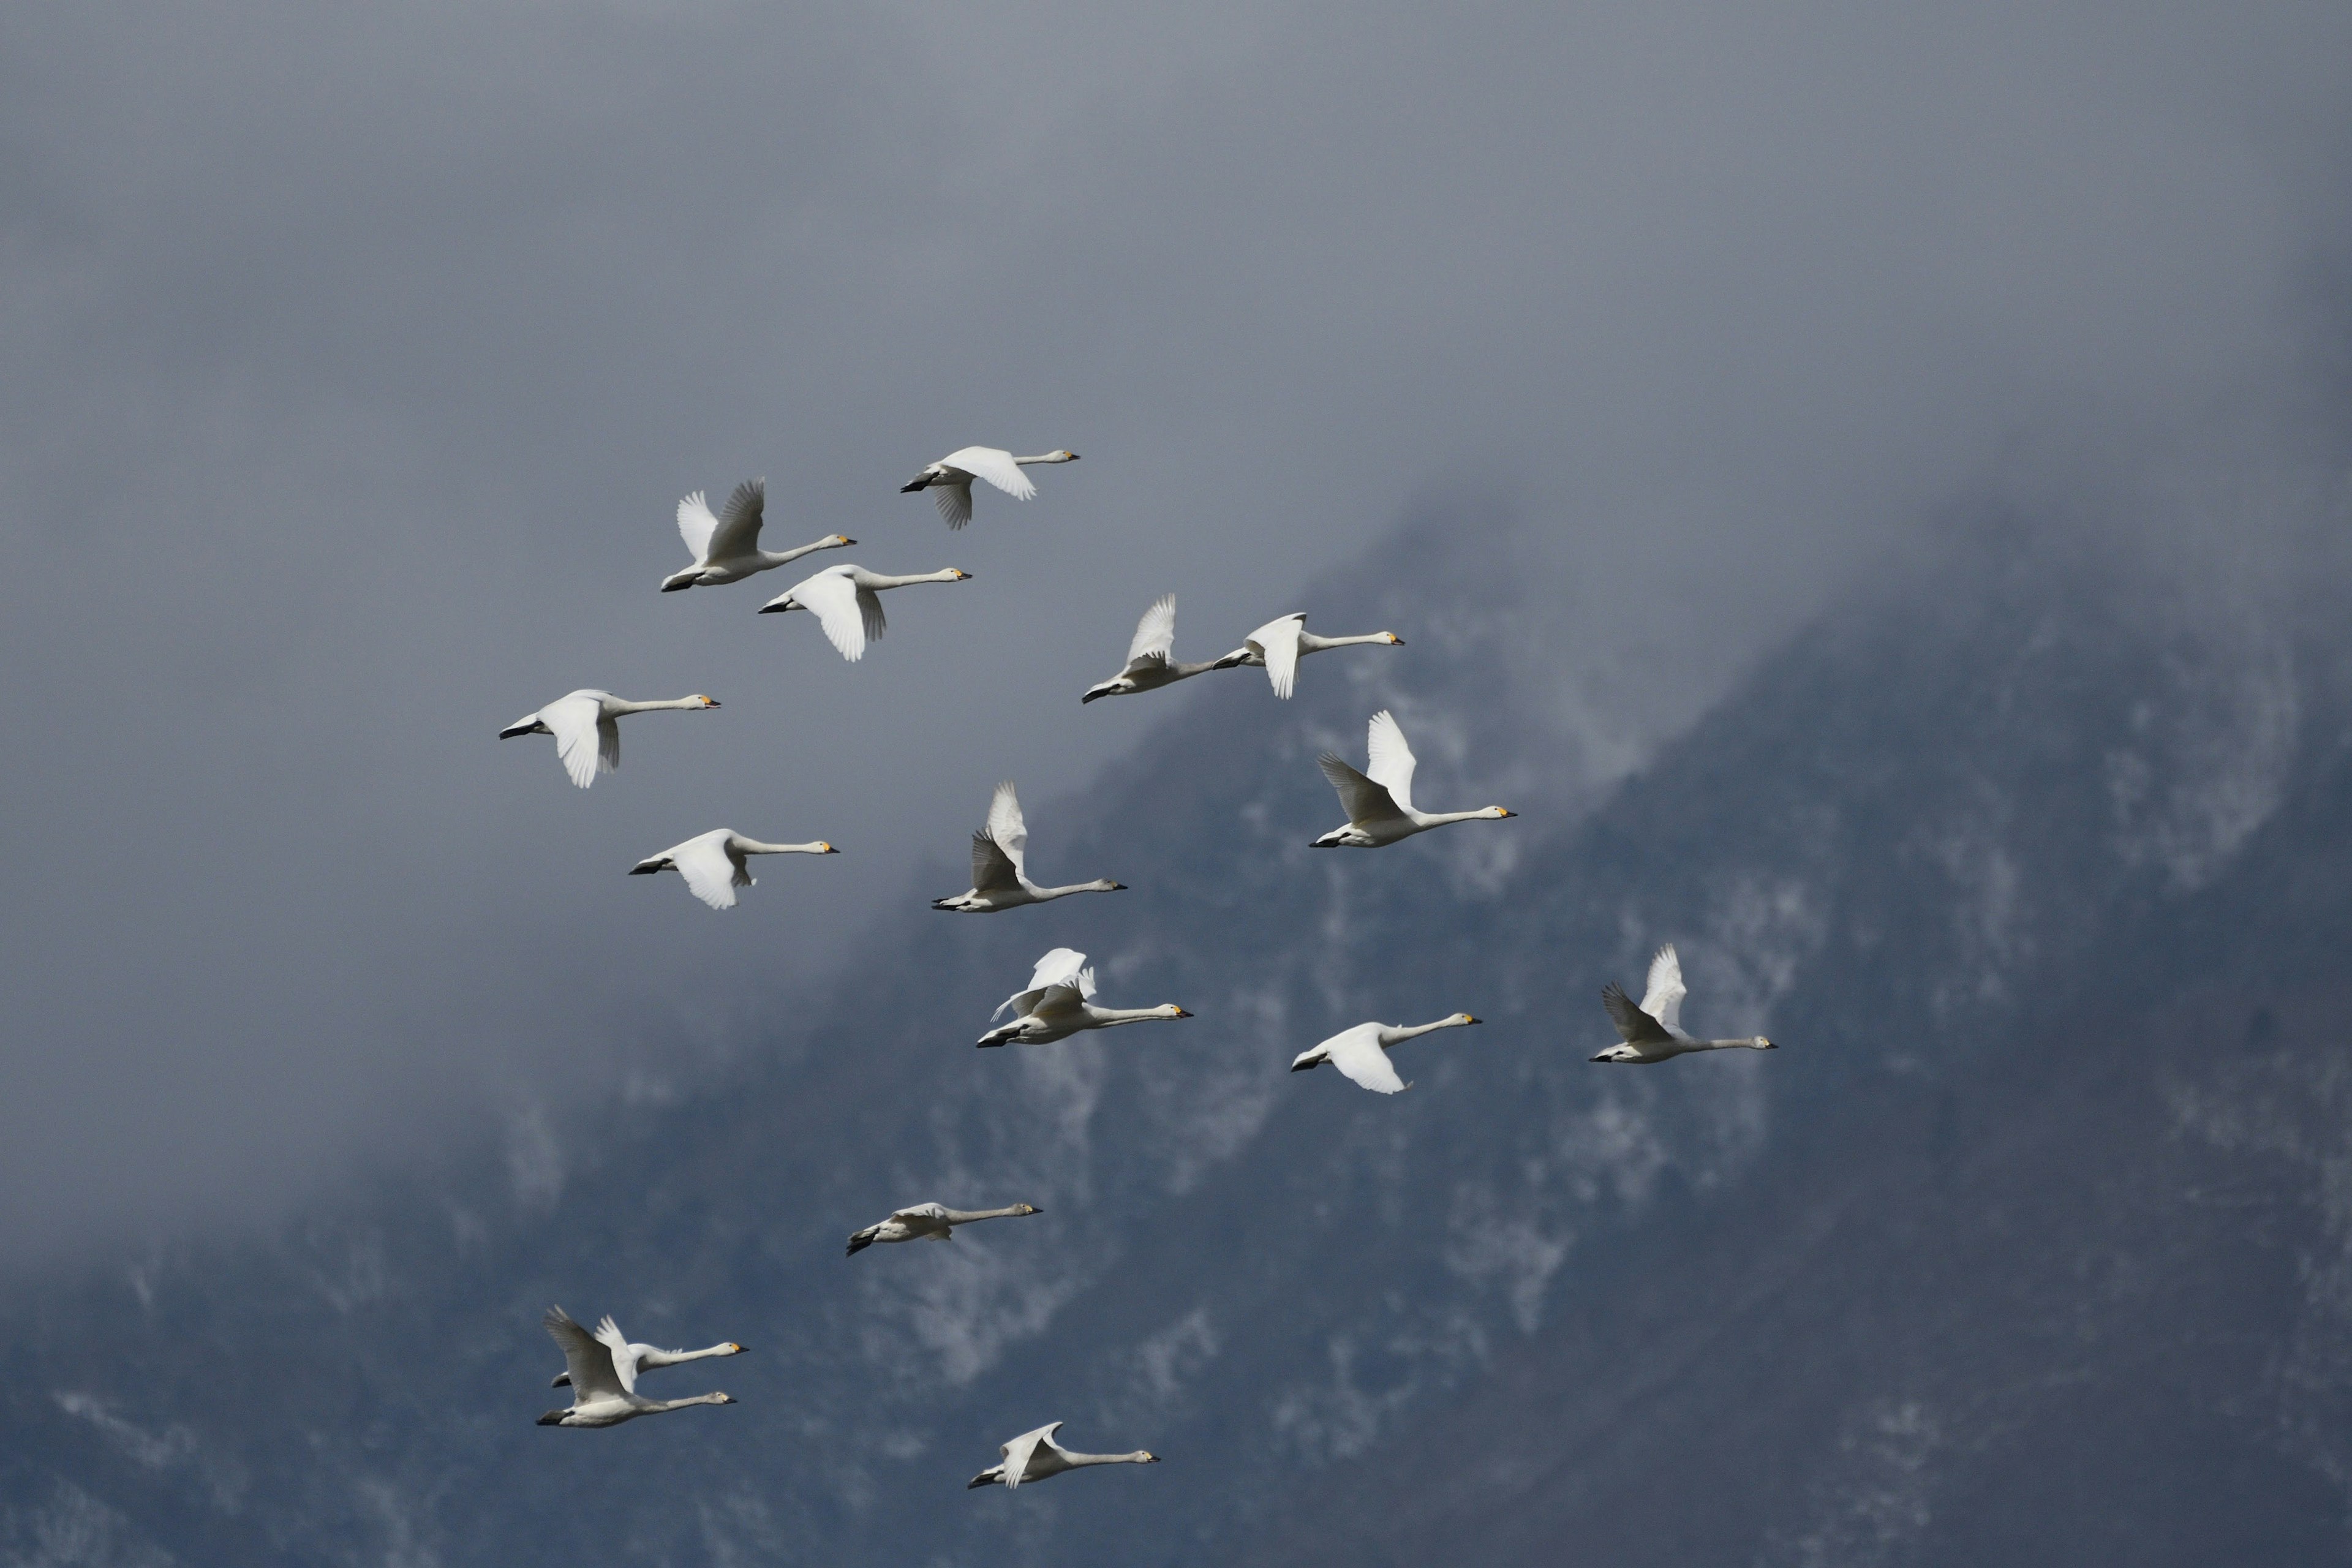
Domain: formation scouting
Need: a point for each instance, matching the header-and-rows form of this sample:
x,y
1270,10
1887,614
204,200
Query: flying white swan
x,y
1654,1031
843,600
1000,870
949,479
1362,1053
1279,645
646,1358
727,547
929,1222
1380,807
603,1377
713,863
587,740
1035,1456
1058,1003
1148,667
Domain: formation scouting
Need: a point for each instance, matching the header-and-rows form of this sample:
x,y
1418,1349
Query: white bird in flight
x,y
714,863
603,1376
1280,644
1058,1003
646,1358
587,740
949,479
1035,1457
1380,806
929,1222
727,547
1654,1031
843,600
1362,1053
1000,870
1148,667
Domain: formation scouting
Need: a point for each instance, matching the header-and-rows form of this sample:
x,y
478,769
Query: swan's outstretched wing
x,y
1007,827
921,1211
739,525
711,874
618,1350
1017,1453
1358,1054
1276,642
997,467
1633,1025
1155,633
954,501
588,1363
1062,966
839,606
1662,997
696,525
577,725
1366,802
1390,760
993,870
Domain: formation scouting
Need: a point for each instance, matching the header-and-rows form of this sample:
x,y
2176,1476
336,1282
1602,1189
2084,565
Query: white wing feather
x,y
1007,827
996,467
590,1365
1017,1453
954,501
1276,642
1662,999
1155,633
1358,1054
1062,966
739,526
1365,801
1392,761
711,874
624,1357
837,604
696,525
575,721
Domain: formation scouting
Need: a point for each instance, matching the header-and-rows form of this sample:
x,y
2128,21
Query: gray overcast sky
x,y
357,358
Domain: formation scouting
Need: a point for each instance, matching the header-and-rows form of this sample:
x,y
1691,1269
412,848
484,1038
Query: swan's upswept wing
x,y
1357,1053
578,727
1155,633
1276,642
1017,1452
1062,966
619,1353
1662,997
1633,1025
1365,801
711,874
739,525
588,1363
851,615
993,870
696,525
1006,825
996,467
1390,760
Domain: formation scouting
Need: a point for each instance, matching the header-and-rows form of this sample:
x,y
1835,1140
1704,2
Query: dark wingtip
x,y
1302,1067
977,1483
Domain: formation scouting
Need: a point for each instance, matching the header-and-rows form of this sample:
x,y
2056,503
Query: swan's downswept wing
x,y
1662,998
1357,1053
1276,642
1390,761
1007,827
696,525
588,1363
1364,801
954,501
1155,633
1061,966
838,606
739,524
574,722
1633,1025
620,1352
711,873
993,870
1017,1452
997,467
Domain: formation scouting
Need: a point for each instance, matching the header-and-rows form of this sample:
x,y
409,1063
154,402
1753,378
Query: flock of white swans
x,y
601,1367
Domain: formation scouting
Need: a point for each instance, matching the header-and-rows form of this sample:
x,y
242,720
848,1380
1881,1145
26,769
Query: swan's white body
x,y
843,600
1654,1031
725,548
1000,870
1035,1457
587,739
714,864
603,1377
929,1222
949,479
1280,644
1379,800
1058,1003
1148,665
1362,1054
647,1358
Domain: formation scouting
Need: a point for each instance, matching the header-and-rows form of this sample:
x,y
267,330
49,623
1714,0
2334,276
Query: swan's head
x,y
1619,1054
1065,455
1024,1210
825,848
553,1418
1461,1018
956,574
722,1399
842,541
706,702
1761,1043
1169,1010
1393,640
1498,813
734,1349
1146,1456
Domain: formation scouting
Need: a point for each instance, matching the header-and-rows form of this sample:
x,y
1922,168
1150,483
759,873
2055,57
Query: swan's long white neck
x,y
1106,1016
1074,1460
621,705
1309,642
781,557
1404,1032
1047,458
679,1358
753,847
1440,818
654,1407
876,580
1099,885
965,1216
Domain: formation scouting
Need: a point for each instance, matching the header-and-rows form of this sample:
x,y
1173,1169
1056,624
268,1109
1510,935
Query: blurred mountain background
x,y
2032,1244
